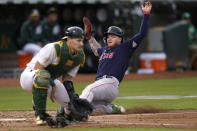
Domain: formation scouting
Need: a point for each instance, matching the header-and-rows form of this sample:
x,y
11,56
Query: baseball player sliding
x,y
113,62
57,59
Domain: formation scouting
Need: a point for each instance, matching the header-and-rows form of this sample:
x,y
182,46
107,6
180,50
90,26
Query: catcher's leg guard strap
x,y
40,88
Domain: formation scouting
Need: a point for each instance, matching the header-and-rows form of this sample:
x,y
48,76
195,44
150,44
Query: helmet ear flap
x,y
67,33
105,40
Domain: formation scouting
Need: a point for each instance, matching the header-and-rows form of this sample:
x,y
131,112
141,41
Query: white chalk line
x,y
130,123
111,122
13,119
159,97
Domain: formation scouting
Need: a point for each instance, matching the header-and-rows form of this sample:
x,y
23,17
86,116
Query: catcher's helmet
x,y
115,31
74,32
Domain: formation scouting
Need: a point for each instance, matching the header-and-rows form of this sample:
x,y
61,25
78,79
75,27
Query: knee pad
x,y
42,79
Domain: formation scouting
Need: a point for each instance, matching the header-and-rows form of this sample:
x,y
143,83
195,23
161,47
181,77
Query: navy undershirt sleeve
x,y
143,30
140,35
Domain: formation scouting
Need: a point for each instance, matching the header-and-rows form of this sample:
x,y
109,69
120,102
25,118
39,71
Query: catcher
x,y
58,59
113,62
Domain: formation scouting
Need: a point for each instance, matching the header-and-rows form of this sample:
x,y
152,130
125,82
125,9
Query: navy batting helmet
x,y
74,32
115,31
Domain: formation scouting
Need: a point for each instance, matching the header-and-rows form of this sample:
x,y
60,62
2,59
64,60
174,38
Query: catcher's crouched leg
x,y
40,88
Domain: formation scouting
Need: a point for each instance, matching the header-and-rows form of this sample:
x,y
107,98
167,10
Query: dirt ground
x,y
187,119
146,117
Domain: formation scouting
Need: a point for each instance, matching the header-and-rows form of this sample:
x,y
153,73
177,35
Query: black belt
x,y
105,76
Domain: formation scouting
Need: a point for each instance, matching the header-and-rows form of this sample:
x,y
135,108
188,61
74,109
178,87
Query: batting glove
x,y
88,28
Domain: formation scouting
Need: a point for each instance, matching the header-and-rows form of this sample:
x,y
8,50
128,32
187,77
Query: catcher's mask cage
x,y
115,31
74,32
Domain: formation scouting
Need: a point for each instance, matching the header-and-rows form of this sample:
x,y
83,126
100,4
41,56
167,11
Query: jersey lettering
x,y
107,56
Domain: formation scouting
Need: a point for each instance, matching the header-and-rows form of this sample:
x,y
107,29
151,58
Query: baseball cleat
x,y
39,121
118,109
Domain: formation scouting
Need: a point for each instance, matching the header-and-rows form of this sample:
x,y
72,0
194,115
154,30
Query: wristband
x,y
147,13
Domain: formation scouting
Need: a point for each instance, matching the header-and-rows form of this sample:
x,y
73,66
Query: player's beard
x,y
112,45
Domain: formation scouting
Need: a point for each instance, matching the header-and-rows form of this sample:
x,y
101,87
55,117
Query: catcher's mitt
x,y
80,108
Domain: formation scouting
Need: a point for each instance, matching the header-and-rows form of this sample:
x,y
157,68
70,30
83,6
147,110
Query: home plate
x,y
13,119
